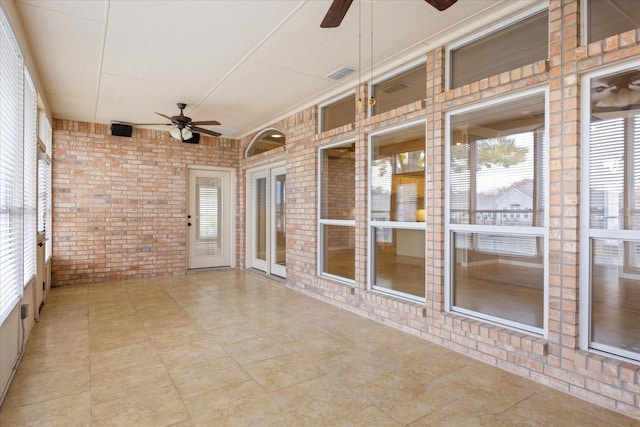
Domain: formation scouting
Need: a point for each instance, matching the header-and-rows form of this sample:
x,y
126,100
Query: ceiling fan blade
x,y
205,131
441,4
151,124
336,13
206,122
165,116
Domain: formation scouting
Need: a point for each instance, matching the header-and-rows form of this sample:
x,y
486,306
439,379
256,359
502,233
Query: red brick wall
x,y
114,196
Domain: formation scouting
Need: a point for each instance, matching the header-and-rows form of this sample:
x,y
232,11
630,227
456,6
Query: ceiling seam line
x,y
104,42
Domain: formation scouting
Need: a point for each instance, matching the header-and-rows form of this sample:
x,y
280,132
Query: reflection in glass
x,y
500,275
266,141
615,280
608,18
338,257
208,234
497,169
339,113
397,175
260,216
399,260
338,183
614,152
280,219
400,90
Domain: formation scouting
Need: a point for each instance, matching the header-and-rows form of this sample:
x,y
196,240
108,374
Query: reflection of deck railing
x,y
512,217
496,244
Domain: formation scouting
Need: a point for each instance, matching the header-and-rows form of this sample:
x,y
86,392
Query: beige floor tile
x,y
244,404
404,397
127,381
206,376
192,353
122,357
233,333
42,361
68,411
283,371
28,388
320,401
238,349
177,335
158,407
463,413
117,338
256,349
530,412
368,417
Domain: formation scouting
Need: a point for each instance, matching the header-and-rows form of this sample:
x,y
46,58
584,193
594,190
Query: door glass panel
x,y
261,218
280,220
208,222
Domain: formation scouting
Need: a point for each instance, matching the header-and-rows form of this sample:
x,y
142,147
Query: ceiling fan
x,y
184,126
339,8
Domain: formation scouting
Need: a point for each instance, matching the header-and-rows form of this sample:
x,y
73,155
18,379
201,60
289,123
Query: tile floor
x,y
229,348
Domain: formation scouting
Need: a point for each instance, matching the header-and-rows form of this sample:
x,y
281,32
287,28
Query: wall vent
x,y
341,73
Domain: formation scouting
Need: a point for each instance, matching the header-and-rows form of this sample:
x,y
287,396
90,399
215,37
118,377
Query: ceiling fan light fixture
x,y
181,134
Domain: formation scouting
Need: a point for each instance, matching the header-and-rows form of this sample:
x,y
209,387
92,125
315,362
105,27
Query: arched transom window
x,y
265,141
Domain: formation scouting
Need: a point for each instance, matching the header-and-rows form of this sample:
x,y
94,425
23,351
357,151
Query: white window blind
x,y
44,183
30,154
11,180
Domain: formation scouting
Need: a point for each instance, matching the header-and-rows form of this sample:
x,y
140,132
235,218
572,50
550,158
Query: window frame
x,y
404,225
588,234
487,32
537,231
329,221
330,102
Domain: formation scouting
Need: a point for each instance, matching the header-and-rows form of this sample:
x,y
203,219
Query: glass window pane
x,y
397,175
519,44
615,294
399,260
400,90
338,182
497,167
614,152
280,212
339,251
260,194
339,113
269,140
611,17
500,276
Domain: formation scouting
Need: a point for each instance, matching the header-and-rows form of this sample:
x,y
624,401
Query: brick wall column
x,y
564,183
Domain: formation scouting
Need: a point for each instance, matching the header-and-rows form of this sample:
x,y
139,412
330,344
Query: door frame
x,y
266,171
232,209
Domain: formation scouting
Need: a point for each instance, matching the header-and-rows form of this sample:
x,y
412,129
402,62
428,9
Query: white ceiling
x,y
244,63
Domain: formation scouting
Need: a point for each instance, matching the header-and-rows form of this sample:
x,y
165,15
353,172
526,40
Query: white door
x,y
209,218
266,240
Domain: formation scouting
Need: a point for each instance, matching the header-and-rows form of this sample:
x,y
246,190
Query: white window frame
x,y
371,225
327,221
330,102
586,233
450,229
484,33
